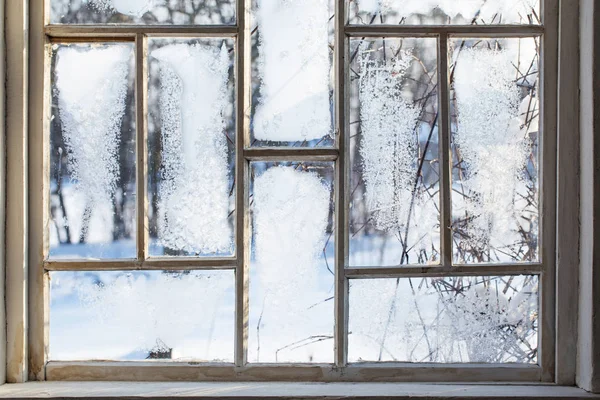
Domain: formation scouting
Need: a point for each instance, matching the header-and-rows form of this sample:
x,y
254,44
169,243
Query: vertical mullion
x,y
141,105
243,98
445,153
341,248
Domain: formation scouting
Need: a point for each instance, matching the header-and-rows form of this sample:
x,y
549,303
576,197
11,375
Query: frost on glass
x,y
131,316
441,12
191,148
444,320
92,145
394,183
165,12
495,140
292,59
291,272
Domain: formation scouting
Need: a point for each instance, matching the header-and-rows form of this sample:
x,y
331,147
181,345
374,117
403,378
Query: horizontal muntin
x,y
151,264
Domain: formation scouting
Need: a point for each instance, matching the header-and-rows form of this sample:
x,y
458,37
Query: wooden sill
x,y
321,391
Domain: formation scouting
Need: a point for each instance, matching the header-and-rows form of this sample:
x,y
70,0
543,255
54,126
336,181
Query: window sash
x,y
42,35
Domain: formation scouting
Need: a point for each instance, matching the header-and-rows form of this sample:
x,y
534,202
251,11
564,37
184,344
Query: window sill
x,y
272,390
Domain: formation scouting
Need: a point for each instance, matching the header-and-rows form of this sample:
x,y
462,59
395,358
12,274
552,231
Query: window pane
x,y
165,12
444,12
131,316
292,263
495,120
191,191
394,182
292,87
444,320
92,152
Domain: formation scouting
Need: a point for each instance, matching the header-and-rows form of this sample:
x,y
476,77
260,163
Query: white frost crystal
x,y
135,8
484,10
194,190
294,68
389,144
492,143
291,210
91,85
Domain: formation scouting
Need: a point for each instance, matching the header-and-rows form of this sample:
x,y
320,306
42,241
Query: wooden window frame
x,y
29,37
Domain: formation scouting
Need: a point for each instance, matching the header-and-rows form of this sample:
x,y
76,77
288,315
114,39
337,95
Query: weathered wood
x,y
159,263
548,149
436,30
341,308
141,124
17,189
380,372
291,154
567,224
429,271
242,222
445,151
249,390
39,173
588,365
90,32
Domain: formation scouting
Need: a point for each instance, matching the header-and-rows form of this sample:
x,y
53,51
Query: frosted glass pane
x,y
495,120
443,12
292,50
165,12
131,316
92,152
394,181
444,320
191,147
292,263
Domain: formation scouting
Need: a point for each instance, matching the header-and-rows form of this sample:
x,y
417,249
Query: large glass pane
x,y
394,180
444,320
443,12
495,138
165,12
131,316
292,263
191,144
292,77
92,152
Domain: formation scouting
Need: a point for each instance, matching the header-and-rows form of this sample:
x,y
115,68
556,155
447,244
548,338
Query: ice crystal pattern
x,y
294,68
484,10
194,189
388,145
291,216
135,8
492,143
91,86
468,319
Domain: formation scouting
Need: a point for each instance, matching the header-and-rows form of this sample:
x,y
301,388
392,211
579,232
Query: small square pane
x,y
149,12
191,147
444,320
292,263
394,176
292,75
92,152
138,316
444,12
495,114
